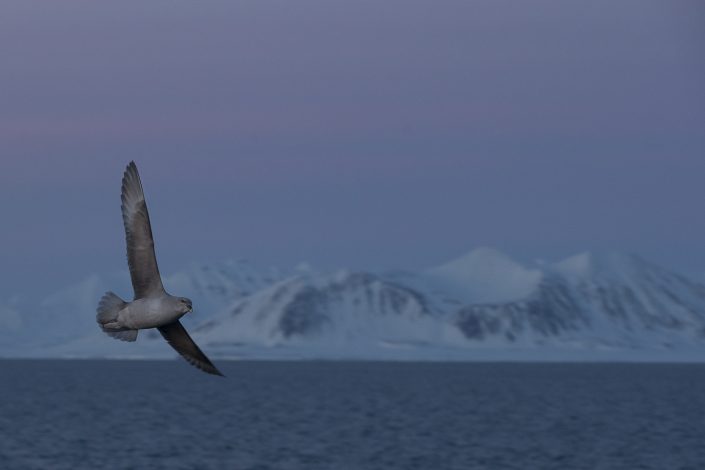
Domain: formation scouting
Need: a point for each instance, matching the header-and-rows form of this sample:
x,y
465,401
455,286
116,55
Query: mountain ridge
x,y
482,305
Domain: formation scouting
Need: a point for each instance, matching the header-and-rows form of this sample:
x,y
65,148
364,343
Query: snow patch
x,y
485,275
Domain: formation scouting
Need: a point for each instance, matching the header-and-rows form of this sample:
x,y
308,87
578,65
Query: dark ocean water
x,y
351,415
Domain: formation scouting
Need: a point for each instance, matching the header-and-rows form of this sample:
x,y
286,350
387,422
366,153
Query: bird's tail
x,y
107,316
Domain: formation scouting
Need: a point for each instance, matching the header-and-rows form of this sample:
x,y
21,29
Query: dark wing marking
x,y
178,338
138,233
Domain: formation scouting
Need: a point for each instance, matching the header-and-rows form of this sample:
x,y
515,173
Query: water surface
x,y
351,415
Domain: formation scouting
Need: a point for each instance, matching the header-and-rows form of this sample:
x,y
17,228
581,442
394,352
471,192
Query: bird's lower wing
x,y
179,339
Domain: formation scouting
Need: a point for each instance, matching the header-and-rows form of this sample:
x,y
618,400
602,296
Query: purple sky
x,y
363,134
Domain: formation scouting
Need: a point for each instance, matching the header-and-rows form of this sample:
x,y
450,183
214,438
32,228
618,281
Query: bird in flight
x,y
152,306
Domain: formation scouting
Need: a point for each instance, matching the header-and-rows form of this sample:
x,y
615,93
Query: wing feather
x,y
141,259
179,339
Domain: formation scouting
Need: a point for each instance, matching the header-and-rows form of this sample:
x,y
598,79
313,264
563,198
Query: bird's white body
x,y
149,313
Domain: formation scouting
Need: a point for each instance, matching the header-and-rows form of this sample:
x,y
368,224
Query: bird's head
x,y
185,304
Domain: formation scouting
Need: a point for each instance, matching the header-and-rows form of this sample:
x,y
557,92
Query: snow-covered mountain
x,y
340,312
614,300
482,305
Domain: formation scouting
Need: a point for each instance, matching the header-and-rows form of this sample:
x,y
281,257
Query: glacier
x,y
481,306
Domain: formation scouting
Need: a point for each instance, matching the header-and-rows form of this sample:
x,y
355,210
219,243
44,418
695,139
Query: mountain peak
x,y
485,275
479,258
611,264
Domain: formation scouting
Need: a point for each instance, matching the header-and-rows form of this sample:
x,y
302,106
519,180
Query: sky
x,y
362,134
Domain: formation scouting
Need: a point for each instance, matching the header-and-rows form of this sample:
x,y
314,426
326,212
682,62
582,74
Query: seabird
x,y
152,306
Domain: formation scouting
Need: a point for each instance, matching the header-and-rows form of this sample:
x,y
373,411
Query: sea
x,y
110,414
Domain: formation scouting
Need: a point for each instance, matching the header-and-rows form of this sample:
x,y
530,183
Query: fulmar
x,y
152,306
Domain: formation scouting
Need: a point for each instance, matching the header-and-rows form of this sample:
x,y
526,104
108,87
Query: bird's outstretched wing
x,y
178,338
138,233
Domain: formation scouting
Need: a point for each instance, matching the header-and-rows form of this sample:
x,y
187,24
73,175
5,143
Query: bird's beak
x,y
190,309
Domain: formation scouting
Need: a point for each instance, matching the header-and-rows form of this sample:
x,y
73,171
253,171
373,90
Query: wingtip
x,y
131,178
131,168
